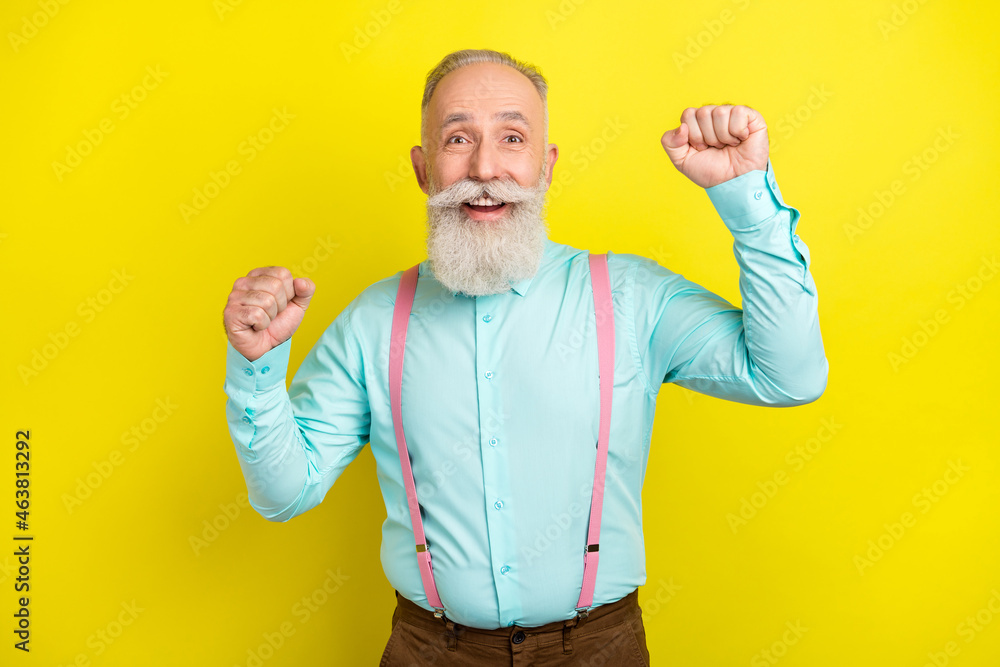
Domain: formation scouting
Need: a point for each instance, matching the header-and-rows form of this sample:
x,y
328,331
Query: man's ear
x,y
551,155
420,168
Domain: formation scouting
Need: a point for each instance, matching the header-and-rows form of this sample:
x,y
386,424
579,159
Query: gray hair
x,y
464,58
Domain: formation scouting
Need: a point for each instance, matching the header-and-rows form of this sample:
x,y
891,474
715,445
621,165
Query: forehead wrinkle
x,y
503,115
477,97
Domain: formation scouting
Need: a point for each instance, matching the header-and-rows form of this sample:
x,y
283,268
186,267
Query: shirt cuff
x,y
748,200
256,376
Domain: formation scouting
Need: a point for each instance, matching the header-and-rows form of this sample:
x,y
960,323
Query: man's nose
x,y
485,164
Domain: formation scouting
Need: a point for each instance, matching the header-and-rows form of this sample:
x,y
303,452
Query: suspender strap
x,y
400,319
605,315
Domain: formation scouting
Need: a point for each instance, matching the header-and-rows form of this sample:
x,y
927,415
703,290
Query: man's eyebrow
x,y
453,118
510,115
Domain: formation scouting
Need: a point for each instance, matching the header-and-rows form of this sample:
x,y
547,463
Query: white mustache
x,y
468,190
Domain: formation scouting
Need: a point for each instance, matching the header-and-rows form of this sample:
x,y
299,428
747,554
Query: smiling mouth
x,y
485,205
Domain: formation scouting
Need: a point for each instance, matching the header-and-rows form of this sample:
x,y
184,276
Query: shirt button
x,y
265,369
505,569
245,420
758,194
487,318
493,442
518,637
498,504
248,371
488,375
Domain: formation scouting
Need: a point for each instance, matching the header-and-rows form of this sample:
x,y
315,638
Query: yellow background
x,y
852,93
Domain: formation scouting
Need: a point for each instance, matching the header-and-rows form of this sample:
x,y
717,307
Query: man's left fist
x,y
715,143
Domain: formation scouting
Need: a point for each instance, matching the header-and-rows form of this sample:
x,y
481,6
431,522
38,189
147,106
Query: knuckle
x,y
261,298
278,272
253,316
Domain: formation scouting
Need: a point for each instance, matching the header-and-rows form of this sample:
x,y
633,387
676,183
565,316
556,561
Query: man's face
x,y
484,122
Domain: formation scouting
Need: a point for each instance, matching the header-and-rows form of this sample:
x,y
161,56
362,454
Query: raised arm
x,y
291,448
770,352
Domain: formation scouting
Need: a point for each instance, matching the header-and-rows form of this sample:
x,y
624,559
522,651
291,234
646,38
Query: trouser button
x,y
518,637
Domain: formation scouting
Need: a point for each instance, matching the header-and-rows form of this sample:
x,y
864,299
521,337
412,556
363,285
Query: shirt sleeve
x,y
770,352
293,445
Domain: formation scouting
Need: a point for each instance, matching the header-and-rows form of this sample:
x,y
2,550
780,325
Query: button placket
x,y
496,467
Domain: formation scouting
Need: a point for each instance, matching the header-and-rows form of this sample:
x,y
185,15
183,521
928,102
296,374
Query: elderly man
x,y
484,378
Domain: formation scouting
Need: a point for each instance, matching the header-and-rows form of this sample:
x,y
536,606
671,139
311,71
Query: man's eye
x,y
513,139
455,140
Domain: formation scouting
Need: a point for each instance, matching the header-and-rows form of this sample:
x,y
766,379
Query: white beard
x,y
480,258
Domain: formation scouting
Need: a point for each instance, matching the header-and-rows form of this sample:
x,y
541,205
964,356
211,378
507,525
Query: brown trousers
x,y
611,634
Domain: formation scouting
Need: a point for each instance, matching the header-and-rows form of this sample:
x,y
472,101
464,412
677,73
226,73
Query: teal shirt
x,y
501,407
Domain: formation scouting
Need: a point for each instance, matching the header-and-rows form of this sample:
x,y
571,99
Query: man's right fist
x,y
264,309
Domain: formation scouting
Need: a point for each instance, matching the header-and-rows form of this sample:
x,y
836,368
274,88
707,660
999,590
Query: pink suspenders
x,y
606,364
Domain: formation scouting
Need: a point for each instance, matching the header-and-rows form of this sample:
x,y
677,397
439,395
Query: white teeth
x,y
484,201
